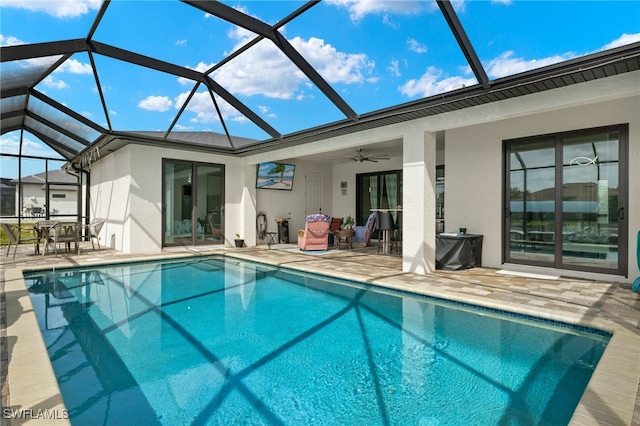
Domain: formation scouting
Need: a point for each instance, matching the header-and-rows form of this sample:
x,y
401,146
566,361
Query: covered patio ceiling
x,y
76,134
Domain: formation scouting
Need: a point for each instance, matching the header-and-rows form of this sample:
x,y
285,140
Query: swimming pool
x,y
215,341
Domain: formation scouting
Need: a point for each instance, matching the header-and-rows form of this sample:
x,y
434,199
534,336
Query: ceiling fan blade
x,y
361,156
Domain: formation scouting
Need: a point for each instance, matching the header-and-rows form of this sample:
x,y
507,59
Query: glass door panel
x,y
209,208
531,202
178,203
193,205
590,201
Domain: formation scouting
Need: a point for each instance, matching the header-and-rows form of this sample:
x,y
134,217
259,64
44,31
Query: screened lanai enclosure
x,y
238,80
44,188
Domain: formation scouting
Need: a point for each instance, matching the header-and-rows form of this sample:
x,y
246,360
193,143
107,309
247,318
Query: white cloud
x,y
459,5
358,9
49,81
430,84
201,67
416,46
156,103
394,68
263,69
506,64
58,8
182,42
264,110
238,119
335,66
74,66
43,62
182,128
10,144
202,106
10,41
623,40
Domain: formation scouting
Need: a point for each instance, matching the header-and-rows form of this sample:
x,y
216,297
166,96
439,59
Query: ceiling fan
x,y
361,156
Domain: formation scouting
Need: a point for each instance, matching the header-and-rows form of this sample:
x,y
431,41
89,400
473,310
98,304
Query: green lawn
x,y
26,230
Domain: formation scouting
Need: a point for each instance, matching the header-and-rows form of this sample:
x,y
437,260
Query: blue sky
x,y
375,54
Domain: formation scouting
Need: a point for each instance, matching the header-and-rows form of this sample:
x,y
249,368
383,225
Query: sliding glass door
x,y
193,203
566,199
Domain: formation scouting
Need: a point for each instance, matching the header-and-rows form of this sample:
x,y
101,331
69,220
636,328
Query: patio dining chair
x,y
93,232
66,233
15,237
336,223
387,227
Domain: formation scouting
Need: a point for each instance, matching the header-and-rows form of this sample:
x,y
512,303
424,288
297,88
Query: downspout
x,y
88,188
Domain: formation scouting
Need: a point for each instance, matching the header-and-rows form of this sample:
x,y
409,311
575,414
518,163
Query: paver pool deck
x,y
30,389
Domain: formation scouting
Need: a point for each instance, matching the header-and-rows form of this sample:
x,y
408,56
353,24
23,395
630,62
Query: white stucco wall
x,y
110,198
130,180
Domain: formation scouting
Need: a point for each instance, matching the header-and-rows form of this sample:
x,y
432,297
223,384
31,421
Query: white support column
x,y
249,210
419,202
240,203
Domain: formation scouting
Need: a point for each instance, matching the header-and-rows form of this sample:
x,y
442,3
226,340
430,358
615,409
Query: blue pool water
x,y
215,341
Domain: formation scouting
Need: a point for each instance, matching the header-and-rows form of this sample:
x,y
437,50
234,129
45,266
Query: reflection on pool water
x,y
215,341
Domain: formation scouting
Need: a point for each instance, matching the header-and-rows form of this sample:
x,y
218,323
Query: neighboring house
x,y
7,197
63,195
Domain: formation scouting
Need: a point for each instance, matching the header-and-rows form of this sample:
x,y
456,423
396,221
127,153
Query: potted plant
x,y
348,222
239,241
346,229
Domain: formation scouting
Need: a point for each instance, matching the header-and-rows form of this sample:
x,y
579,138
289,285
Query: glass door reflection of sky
x,y
213,341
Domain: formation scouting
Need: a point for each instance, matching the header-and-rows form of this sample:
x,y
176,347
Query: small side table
x,y
343,237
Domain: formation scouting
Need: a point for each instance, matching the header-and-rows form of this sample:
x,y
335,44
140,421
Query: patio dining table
x,y
44,229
